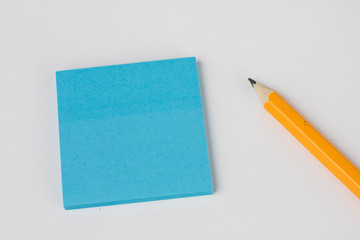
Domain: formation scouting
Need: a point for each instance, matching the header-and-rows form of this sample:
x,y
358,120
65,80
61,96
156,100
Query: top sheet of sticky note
x,y
132,133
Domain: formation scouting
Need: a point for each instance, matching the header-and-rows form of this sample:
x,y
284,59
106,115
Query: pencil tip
x,y
252,81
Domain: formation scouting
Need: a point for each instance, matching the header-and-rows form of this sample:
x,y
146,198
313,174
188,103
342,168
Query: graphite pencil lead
x,y
252,81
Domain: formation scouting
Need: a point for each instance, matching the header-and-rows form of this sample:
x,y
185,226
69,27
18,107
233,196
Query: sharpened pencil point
x,y
252,81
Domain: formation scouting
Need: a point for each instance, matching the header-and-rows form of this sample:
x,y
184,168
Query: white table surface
x,y
267,185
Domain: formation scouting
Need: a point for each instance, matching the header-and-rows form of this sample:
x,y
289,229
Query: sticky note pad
x,y
132,133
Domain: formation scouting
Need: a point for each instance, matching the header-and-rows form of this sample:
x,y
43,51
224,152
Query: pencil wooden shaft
x,y
322,149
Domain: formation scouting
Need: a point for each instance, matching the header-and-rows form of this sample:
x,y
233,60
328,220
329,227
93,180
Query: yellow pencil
x,y
307,135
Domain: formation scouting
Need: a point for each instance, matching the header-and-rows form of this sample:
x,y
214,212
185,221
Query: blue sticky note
x,y
132,133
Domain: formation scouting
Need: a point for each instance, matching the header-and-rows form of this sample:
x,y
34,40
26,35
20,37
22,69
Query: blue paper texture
x,y
132,133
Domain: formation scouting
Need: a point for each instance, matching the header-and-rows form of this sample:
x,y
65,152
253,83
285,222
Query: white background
x,y
267,185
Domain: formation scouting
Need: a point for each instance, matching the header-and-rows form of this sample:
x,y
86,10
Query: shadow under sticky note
x,y
132,133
